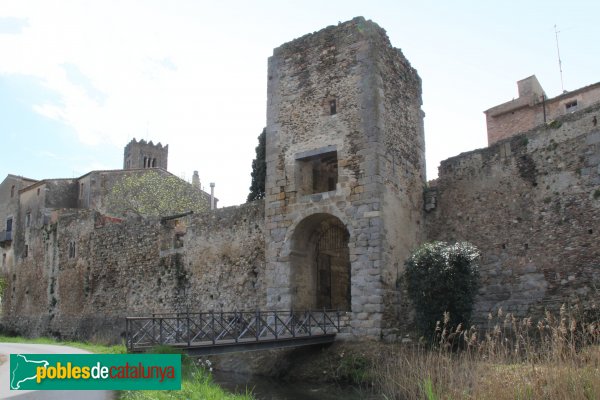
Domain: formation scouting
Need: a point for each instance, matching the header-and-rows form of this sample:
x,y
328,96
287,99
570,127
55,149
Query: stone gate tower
x,y
345,174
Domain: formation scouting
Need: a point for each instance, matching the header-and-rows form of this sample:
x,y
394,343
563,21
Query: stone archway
x,y
320,264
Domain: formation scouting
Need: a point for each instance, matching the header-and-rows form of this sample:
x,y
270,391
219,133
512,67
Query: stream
x,y
264,388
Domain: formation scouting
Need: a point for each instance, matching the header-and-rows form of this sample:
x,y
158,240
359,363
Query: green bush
x,y
442,277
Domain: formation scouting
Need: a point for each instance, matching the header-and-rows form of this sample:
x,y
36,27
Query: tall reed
x,y
557,357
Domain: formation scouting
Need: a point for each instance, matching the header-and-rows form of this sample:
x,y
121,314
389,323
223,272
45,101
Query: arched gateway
x,y
320,264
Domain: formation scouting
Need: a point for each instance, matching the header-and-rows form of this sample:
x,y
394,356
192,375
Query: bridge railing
x,y
212,328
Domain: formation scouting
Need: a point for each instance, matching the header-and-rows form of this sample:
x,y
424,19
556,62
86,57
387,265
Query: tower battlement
x,y
144,154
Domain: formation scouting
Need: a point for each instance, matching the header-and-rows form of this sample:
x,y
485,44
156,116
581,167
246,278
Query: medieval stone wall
x,y
86,271
531,203
343,92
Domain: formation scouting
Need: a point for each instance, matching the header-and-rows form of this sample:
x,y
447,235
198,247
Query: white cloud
x,y
193,74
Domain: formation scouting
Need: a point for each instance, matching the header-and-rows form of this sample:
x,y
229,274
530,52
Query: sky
x,y
80,79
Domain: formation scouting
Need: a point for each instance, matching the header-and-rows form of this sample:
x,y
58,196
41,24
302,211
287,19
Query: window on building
x,y
81,189
318,173
28,219
154,163
9,222
332,107
72,250
26,251
38,191
12,191
571,106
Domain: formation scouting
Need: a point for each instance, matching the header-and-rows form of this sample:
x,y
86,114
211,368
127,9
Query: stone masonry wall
x,y
121,268
377,136
531,204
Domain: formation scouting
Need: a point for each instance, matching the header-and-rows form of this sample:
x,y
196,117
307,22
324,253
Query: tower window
x,y
332,107
28,219
317,173
12,191
72,251
26,251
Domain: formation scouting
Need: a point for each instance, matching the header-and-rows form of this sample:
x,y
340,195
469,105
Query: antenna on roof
x,y
562,86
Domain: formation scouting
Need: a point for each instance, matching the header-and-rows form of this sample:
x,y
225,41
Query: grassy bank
x,y
197,383
91,347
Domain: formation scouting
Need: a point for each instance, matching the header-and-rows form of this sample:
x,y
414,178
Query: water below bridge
x,y
264,388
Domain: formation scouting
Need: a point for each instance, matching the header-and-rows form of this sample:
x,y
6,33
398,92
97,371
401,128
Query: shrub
x,y
442,277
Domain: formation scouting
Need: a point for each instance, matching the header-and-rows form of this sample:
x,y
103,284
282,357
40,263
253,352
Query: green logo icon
x,y
95,372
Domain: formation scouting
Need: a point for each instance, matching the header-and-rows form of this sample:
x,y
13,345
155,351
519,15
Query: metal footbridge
x,y
207,333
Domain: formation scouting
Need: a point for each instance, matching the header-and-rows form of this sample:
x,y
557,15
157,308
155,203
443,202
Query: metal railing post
x,y
235,325
257,324
153,329
275,316
188,329
160,340
127,336
212,326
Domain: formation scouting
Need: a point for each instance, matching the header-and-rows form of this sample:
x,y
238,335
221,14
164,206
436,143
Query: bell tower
x,y
144,154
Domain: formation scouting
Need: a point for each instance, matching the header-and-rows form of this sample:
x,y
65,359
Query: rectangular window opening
x,y
318,173
28,219
26,251
332,107
571,105
72,251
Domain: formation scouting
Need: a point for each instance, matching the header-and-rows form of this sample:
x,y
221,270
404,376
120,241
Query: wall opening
x,y
320,264
332,107
317,173
571,106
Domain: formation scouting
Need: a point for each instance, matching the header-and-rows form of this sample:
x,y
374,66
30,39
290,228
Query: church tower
x,y
145,155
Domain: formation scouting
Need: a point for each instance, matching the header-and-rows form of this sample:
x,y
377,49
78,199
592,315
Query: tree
x,y
442,277
154,193
259,169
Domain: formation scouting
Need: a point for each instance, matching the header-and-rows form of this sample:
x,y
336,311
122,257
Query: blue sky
x,y
79,80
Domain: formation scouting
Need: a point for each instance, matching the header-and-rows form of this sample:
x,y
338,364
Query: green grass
x,y
197,383
91,347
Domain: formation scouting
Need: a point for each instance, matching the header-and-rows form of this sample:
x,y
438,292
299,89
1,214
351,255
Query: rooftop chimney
x,y
196,180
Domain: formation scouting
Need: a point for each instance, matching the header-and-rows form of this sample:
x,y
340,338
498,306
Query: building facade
x,y
532,108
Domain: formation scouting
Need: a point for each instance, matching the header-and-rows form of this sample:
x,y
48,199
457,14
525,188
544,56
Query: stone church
x,y
346,202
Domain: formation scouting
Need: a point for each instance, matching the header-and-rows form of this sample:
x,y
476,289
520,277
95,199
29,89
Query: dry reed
x,y
557,357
